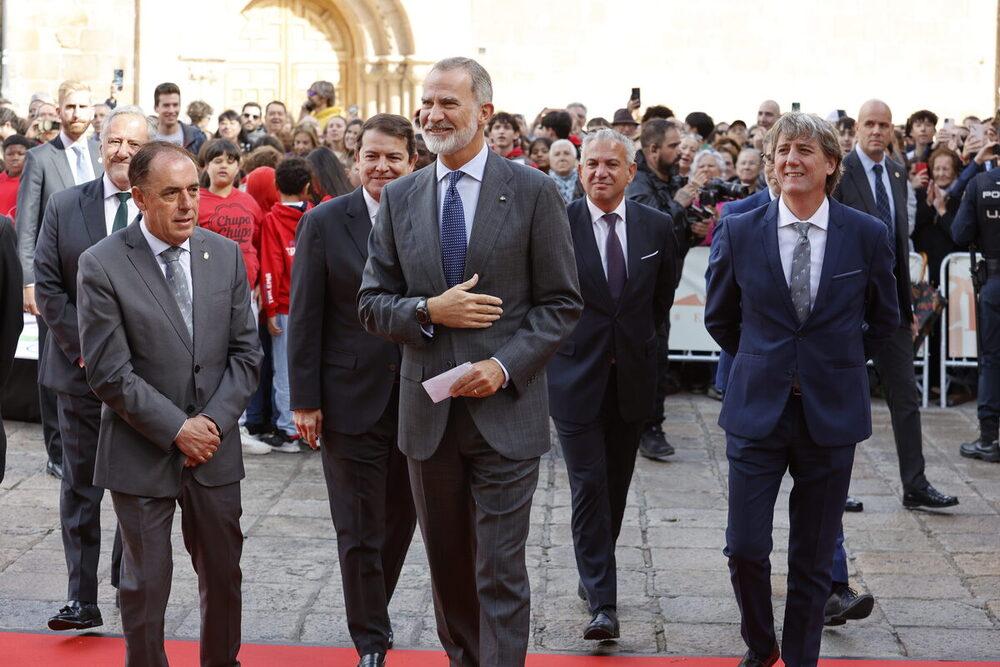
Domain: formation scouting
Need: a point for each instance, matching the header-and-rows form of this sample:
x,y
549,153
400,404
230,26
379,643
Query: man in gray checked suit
x,y
471,260
171,348
69,159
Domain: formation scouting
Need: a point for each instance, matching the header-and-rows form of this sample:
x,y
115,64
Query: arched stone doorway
x,y
364,47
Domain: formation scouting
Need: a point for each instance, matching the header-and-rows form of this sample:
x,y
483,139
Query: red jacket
x,y
277,250
238,218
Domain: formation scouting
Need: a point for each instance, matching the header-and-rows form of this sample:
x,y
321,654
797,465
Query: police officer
x,y
978,221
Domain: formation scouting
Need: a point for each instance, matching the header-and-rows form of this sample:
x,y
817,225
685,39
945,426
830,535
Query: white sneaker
x,y
289,447
252,445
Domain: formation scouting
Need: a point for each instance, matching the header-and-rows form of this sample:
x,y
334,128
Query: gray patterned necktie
x,y
799,283
178,283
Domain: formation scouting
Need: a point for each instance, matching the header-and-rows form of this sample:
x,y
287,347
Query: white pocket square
x,y
652,254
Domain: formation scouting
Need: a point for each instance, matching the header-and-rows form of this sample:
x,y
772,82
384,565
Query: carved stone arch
x,y
364,46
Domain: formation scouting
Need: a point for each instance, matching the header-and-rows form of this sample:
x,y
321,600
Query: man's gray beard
x,y
458,140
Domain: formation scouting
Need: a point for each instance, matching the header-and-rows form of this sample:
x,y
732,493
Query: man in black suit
x,y
11,321
75,219
345,388
69,159
876,185
602,379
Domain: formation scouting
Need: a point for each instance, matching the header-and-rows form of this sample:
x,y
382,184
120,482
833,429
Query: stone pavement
x,y
936,576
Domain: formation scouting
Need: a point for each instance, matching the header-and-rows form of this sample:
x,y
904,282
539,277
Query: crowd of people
x,y
545,253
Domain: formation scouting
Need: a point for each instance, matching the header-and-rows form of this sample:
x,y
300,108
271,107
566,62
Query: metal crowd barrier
x,y
958,321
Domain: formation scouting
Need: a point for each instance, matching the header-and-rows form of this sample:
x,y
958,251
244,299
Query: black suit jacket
x,y
11,319
333,363
626,332
74,220
855,191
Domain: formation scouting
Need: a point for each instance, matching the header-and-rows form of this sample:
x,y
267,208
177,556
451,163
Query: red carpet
x,y
51,650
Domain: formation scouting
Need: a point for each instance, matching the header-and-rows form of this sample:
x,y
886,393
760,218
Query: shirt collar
x,y
67,144
866,161
821,218
370,203
596,214
473,167
110,189
157,245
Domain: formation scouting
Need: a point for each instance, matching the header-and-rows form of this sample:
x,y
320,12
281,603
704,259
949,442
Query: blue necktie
x,y
453,241
82,172
615,257
881,198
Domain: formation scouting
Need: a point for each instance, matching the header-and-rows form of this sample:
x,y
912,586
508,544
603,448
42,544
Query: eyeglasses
x,y
251,116
310,92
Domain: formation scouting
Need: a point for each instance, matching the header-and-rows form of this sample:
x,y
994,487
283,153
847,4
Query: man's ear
x,y
139,198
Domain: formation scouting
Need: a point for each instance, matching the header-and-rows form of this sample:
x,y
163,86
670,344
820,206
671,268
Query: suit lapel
x,y
831,256
61,164
495,200
95,156
588,254
422,209
358,223
634,234
769,239
202,316
148,268
860,179
92,208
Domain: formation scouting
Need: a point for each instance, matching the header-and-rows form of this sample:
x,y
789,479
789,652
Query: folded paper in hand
x,y
439,386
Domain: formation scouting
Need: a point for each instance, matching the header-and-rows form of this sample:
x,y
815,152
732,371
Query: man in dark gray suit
x,y
471,260
68,160
75,219
11,321
171,348
876,185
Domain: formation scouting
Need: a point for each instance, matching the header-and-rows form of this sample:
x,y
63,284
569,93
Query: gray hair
x,y
129,110
750,150
607,134
579,105
482,85
563,143
808,126
711,152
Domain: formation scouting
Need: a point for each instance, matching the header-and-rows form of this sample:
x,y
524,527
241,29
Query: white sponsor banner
x,y
27,344
687,316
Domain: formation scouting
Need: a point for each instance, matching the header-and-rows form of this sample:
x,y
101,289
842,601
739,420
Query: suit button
x,y
392,368
800,338
197,368
189,410
449,364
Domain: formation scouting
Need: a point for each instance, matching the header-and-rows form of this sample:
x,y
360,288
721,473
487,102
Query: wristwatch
x,y
422,314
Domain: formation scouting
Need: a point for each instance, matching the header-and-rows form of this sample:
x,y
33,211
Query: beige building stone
x,y
722,56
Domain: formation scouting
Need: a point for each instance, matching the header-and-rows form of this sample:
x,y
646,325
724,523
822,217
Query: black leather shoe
x,y
581,592
603,626
852,504
984,451
76,615
751,659
54,469
844,604
372,660
653,444
928,497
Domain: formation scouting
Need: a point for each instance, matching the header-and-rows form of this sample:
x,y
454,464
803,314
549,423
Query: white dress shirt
x,y
71,157
468,187
601,230
158,246
373,208
868,163
111,204
788,237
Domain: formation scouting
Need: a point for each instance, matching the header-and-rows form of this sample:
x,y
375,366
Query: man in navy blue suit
x,y
802,293
602,380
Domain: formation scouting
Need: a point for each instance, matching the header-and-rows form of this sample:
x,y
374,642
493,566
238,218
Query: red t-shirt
x,y
237,217
8,194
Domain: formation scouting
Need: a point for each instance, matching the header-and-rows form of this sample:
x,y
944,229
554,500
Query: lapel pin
x,y
896,174
503,197
205,256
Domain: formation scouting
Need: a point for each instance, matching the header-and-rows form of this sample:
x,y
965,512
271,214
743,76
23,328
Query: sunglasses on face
x,y
252,116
